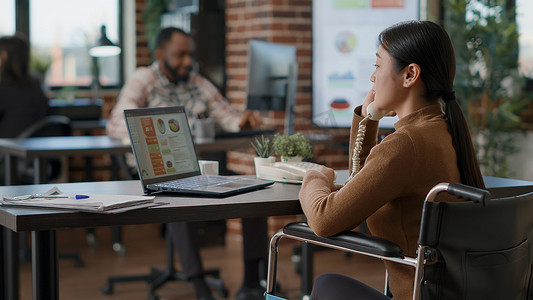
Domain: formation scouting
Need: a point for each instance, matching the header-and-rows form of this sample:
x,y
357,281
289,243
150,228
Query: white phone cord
x,y
356,160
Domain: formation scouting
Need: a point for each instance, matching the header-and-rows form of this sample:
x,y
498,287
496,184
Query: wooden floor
x,y
146,248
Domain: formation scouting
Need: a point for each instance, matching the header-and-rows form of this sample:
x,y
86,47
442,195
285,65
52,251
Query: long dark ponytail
x,y
462,142
429,46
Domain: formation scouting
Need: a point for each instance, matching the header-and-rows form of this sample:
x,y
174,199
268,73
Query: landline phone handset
x,y
372,114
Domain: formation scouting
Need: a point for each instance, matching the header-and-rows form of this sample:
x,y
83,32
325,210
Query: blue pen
x,y
62,196
34,196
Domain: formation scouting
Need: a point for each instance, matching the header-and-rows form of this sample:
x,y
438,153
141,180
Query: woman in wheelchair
x,y
413,79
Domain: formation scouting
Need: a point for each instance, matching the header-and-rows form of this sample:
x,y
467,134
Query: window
x,y
524,19
61,32
7,21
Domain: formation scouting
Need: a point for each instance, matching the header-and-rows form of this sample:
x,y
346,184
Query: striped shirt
x,y
149,87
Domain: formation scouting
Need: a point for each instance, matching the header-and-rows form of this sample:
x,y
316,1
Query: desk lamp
x,y
103,47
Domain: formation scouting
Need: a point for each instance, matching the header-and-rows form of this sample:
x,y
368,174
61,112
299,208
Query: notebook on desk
x,y
166,158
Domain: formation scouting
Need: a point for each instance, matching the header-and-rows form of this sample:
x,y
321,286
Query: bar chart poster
x,y
345,34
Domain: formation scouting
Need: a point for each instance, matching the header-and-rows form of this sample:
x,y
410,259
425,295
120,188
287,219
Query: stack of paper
x,y
90,203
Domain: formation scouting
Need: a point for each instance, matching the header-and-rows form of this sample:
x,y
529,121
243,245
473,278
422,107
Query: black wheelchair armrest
x,y
349,239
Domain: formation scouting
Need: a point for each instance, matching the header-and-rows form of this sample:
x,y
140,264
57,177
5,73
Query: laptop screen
x,y
162,143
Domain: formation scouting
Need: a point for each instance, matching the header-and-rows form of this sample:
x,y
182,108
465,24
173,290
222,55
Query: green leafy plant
x,y
264,146
67,93
485,38
292,145
152,19
40,62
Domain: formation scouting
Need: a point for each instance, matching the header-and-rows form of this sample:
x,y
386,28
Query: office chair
x,y
476,249
157,277
118,163
53,125
49,126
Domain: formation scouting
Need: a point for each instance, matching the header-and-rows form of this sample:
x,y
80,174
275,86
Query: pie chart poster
x,y
344,53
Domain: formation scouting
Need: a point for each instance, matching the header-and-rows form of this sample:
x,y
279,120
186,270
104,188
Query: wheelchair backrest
x,y
483,252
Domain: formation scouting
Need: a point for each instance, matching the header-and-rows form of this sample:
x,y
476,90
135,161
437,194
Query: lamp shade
x,y
103,46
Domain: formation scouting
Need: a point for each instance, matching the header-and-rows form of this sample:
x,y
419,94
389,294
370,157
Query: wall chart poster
x,y
344,53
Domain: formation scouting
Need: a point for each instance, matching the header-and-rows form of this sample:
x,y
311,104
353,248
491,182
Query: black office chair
x,y
158,277
49,126
118,162
476,249
53,125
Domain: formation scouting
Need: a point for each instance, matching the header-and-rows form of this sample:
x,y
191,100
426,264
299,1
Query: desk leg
x,y
7,169
11,265
307,268
36,170
88,168
3,276
114,167
44,267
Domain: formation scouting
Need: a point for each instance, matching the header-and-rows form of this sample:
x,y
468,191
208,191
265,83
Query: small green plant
x,y
67,93
292,145
40,62
264,146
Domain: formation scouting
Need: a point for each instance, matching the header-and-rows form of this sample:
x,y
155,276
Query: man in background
x,y
170,81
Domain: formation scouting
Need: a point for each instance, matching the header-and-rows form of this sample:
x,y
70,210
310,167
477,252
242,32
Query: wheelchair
x,y
481,248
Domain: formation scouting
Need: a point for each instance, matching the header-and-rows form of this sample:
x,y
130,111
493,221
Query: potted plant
x,y
264,148
39,64
292,147
487,79
152,18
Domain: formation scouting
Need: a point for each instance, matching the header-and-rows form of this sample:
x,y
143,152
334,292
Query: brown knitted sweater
x,y
390,188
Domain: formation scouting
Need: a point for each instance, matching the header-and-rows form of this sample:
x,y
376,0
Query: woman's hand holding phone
x,y
368,108
368,99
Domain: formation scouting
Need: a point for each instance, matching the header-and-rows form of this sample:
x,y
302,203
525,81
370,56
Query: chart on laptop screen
x,y
163,144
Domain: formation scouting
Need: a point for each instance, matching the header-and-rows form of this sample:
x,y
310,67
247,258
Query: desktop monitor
x,y
268,75
272,78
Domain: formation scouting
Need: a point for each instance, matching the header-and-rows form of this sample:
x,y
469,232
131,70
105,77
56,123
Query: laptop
x,y
166,158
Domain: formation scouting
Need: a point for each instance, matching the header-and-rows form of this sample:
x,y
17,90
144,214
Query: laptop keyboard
x,y
196,182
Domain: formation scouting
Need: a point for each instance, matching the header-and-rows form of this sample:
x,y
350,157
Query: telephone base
x,y
281,180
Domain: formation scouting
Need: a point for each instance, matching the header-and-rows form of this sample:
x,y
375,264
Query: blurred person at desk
x,y
171,81
22,101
